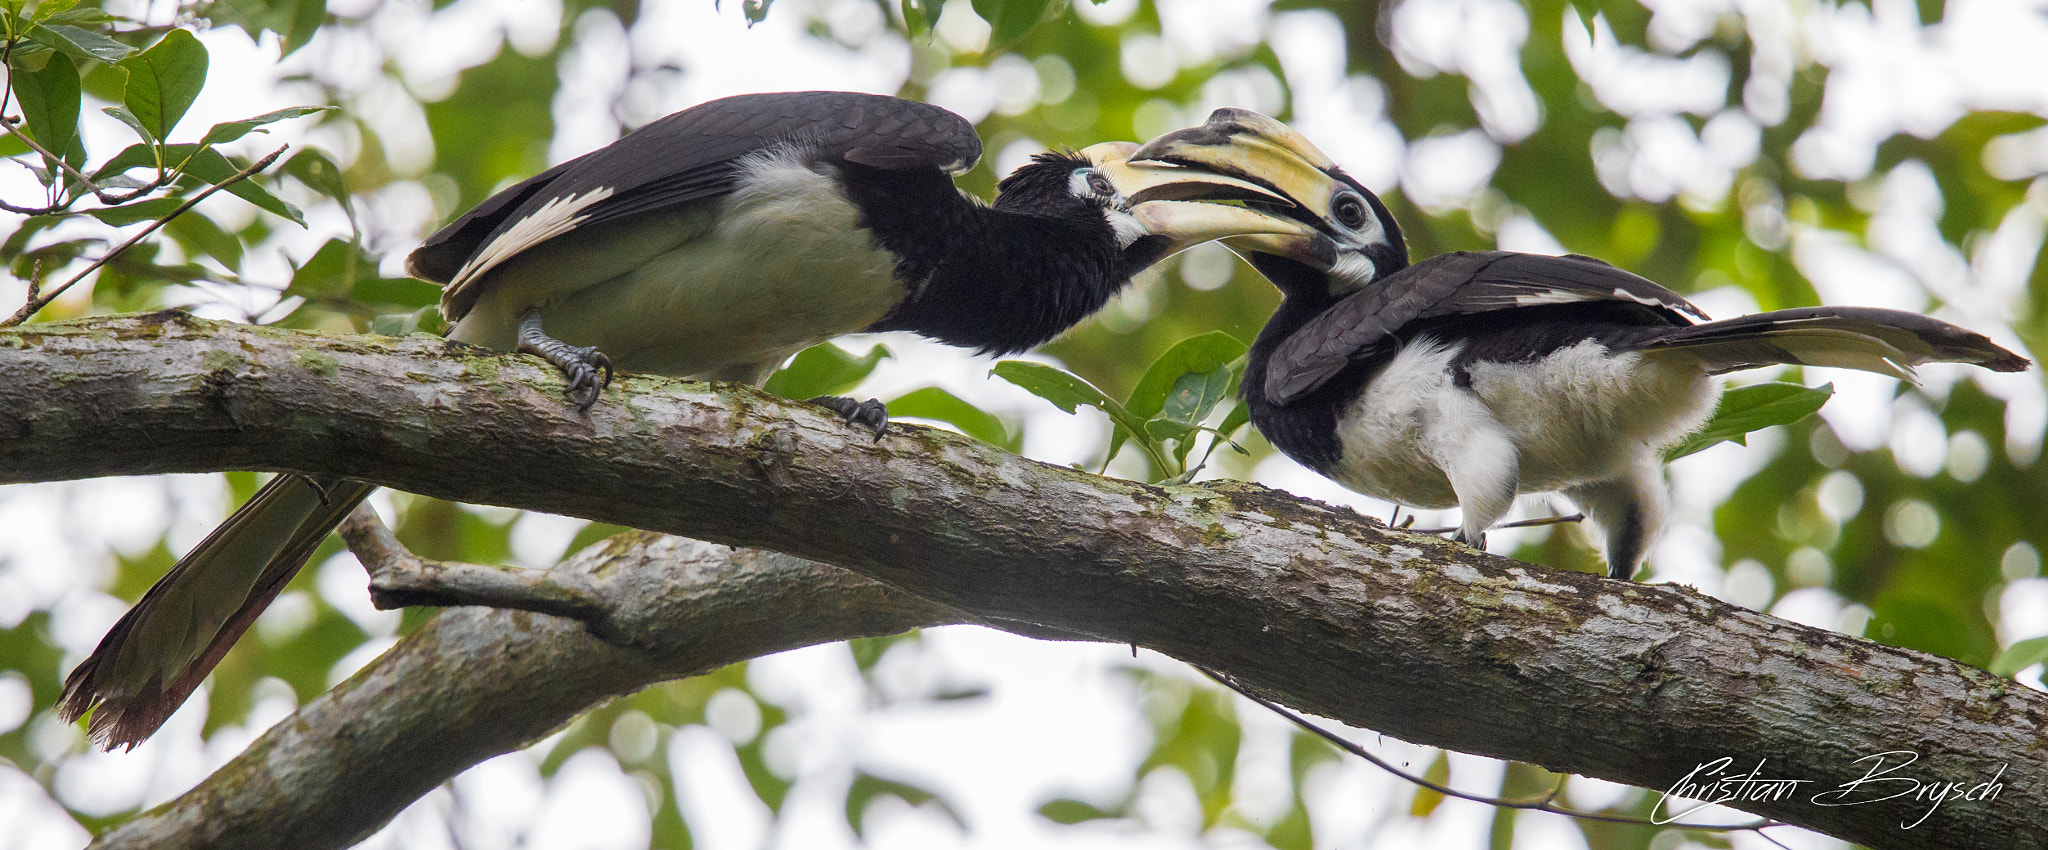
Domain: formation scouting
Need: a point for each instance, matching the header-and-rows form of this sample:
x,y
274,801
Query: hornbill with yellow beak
x,y
713,243
1469,378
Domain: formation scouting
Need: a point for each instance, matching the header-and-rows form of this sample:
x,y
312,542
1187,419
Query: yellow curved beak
x,y
1191,205
1256,149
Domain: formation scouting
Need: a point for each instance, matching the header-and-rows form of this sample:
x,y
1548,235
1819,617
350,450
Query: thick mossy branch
x,y
1315,606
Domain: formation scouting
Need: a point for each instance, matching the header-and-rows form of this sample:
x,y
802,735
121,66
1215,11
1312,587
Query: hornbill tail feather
x,y
155,657
1888,342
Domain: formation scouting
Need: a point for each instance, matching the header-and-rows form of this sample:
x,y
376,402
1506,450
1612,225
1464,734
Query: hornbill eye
x,y
1100,185
1350,211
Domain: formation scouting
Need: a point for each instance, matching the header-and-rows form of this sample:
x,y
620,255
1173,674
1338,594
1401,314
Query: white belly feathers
x,y
1579,415
743,277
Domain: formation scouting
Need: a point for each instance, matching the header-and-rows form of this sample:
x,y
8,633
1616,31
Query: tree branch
x,y
478,682
1311,605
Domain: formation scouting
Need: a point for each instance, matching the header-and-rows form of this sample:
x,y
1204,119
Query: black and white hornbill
x,y
1469,378
713,243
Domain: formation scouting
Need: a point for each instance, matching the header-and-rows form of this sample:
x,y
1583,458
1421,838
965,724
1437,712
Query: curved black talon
x,y
583,376
580,364
870,414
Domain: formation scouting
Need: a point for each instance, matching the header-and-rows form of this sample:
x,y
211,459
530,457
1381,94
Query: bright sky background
x,y
1060,722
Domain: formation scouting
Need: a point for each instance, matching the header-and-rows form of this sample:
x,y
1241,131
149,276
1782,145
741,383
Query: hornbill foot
x,y
581,364
870,414
1476,540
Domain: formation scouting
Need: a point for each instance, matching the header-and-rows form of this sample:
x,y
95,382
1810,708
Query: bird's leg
x,y
1479,457
1629,509
870,414
582,365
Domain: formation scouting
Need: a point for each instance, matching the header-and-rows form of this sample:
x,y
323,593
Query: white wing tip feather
x,y
554,218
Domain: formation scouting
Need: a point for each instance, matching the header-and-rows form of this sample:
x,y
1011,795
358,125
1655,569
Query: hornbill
x,y
713,243
1471,377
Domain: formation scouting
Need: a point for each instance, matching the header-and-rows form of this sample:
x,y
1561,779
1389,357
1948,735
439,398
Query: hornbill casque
x,y
1469,378
713,243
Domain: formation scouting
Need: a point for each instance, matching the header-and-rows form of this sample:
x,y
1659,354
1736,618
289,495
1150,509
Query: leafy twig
x,y
38,303
70,169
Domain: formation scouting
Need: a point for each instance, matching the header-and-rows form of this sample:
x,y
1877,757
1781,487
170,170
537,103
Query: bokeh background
x,y
1755,154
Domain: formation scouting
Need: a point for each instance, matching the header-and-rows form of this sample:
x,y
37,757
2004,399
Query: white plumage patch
x,y
1620,293
1579,415
1354,269
1552,296
554,218
1127,226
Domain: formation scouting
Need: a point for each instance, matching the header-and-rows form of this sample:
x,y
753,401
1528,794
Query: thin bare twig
x,y
34,304
1545,802
66,167
1525,523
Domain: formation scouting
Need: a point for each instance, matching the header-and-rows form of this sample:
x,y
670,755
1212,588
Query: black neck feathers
x,y
1305,429
998,279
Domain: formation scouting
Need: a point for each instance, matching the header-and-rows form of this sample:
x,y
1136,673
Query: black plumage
x,y
1467,378
713,243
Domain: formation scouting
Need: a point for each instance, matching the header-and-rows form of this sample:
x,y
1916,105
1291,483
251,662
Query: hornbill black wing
x,y
693,155
1369,322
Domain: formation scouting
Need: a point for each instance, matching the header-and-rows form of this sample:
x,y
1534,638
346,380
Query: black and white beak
x,y
1354,237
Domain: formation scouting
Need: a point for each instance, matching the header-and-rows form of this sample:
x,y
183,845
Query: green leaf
x,y
210,166
51,8
334,272
919,15
205,164
1068,392
403,291
199,235
1070,811
1750,408
824,369
1163,429
1201,353
121,113
868,787
1426,799
2020,656
132,156
1009,19
319,173
1195,395
936,403
49,102
254,16
228,131
144,210
1065,390
307,17
1238,417
81,43
422,320
91,18
164,80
